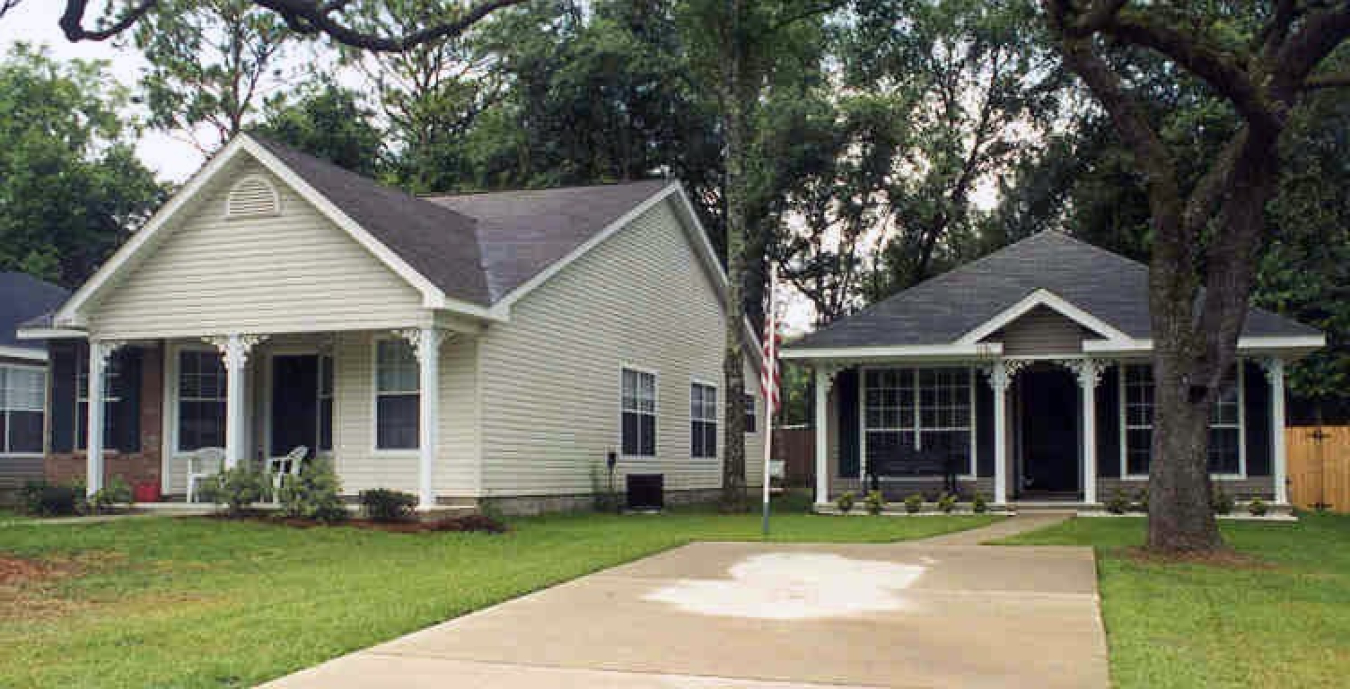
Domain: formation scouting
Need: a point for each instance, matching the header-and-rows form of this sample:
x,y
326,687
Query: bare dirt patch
x,y
29,586
1224,559
17,571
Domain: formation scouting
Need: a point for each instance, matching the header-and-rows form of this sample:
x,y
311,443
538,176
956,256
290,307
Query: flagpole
x,y
769,373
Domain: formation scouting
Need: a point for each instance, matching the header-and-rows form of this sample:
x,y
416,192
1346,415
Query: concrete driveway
x,y
937,613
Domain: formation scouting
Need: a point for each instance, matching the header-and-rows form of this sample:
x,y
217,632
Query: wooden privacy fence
x,y
1319,466
797,448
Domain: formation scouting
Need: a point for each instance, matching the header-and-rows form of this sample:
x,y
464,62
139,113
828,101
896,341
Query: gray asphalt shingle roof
x,y
24,298
474,247
520,233
942,309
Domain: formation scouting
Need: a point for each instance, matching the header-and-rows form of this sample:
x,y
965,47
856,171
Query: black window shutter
x,y
846,391
126,413
62,403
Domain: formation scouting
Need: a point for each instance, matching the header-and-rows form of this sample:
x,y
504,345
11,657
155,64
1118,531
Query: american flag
x,y
770,376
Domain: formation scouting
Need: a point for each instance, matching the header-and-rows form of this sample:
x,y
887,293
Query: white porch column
x,y
1089,376
234,350
99,351
426,343
824,378
1274,369
1001,375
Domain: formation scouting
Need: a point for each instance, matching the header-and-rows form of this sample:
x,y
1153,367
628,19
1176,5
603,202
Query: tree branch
x,y
307,17
1319,34
72,21
1202,58
1327,81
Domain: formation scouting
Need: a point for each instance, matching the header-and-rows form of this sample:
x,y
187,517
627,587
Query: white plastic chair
x,y
203,464
289,464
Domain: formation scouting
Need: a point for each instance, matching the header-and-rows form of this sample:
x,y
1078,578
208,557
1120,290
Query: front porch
x,y
1028,431
370,401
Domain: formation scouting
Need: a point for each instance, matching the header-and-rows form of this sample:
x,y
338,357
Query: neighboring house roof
x,y
1105,292
522,233
24,298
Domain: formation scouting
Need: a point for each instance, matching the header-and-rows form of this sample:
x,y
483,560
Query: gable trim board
x,y
432,297
1048,299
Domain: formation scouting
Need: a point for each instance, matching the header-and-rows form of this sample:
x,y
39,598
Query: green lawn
x,y
1283,624
212,603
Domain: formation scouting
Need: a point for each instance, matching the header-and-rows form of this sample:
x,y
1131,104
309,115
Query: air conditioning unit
x,y
646,492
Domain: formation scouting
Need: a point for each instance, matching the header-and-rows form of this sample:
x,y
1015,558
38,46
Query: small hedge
x,y
384,505
845,502
914,503
50,499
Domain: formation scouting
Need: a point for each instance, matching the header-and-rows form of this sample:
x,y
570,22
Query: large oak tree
x,y
1262,59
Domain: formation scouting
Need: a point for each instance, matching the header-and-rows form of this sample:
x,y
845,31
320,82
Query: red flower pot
x,y
146,492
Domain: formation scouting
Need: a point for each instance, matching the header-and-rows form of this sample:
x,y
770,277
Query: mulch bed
x,y
465,523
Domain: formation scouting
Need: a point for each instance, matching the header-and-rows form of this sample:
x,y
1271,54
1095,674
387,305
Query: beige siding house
x,y
488,347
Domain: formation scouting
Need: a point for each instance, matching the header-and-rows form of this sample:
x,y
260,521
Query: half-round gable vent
x,y
252,197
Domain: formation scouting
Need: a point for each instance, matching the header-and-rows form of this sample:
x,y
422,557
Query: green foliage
x,y
384,505
979,505
115,492
210,62
315,493
1119,503
235,489
946,503
875,502
51,500
845,502
1220,501
1140,500
1257,507
329,122
914,503
71,187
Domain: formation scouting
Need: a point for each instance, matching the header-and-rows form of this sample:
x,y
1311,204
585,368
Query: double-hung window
x,y
639,413
111,377
23,393
1225,423
201,400
702,420
926,408
396,395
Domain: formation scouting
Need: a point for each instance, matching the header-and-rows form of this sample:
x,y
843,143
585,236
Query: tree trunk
x,y
734,117
1180,518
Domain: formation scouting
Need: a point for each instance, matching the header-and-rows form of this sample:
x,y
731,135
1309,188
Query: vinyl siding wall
x,y
1041,330
551,376
295,272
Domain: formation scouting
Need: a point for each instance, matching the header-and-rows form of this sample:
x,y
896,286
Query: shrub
x,y
1257,507
236,489
384,505
51,500
845,502
875,502
314,493
116,492
1118,504
914,503
979,504
1140,500
1221,502
947,503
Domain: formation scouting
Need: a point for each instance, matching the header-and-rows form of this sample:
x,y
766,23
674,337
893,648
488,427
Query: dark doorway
x,y
1049,425
295,402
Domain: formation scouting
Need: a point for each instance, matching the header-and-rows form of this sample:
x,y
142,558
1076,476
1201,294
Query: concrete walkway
x,y
935,613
